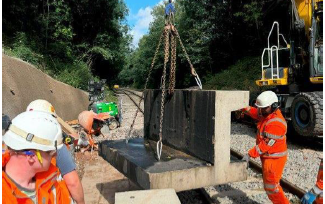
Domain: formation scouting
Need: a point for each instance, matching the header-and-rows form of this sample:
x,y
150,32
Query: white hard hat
x,y
41,105
265,99
34,130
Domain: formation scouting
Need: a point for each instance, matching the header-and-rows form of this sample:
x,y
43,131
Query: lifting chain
x,y
162,107
146,84
172,75
169,29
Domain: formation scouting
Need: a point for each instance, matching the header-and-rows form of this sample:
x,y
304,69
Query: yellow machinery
x,y
299,84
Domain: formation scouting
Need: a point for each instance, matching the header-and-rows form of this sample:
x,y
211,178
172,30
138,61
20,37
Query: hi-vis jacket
x,y
271,135
48,189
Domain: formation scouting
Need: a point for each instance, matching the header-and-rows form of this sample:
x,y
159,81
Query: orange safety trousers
x,y
272,172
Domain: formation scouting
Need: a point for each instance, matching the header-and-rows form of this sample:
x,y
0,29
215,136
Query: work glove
x,y
246,158
311,195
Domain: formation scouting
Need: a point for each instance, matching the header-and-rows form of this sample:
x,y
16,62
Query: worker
x,y
271,144
27,173
5,123
169,13
316,193
92,124
64,160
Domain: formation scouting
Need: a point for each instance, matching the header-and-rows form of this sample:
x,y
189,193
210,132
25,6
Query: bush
x,y
23,48
76,75
240,76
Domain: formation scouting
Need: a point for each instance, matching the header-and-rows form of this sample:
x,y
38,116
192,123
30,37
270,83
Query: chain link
x,y
172,76
146,84
162,107
169,29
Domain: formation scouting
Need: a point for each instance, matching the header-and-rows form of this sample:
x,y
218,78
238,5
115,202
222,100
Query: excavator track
x,y
307,113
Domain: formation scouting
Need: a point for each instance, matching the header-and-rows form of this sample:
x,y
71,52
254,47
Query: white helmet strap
x,y
30,137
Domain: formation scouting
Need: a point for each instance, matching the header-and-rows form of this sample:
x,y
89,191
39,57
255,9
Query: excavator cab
x,y
316,43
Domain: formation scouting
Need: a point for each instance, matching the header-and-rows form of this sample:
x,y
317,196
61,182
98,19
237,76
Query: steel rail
x,y
128,94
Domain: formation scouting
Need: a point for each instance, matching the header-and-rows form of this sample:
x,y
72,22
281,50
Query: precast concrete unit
x,y
196,142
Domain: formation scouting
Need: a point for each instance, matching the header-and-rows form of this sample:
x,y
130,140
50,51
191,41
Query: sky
x,y
140,17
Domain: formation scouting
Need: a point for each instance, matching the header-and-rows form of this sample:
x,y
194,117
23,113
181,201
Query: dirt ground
x,y
100,180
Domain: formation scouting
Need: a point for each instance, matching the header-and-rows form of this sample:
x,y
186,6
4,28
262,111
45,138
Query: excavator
x,y
298,80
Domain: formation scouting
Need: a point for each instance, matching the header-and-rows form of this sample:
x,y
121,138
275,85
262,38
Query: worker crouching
x,y
271,144
27,173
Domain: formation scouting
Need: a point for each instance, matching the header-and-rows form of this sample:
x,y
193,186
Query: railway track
x,y
127,93
201,195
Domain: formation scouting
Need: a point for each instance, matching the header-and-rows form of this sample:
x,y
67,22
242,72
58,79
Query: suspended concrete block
x,y
196,138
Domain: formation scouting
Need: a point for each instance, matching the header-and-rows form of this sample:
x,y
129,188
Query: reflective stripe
x,y
272,136
277,119
321,165
258,150
272,192
269,186
54,193
279,154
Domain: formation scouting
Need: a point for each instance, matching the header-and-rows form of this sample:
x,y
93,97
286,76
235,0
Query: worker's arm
x,y
251,111
66,165
75,187
272,134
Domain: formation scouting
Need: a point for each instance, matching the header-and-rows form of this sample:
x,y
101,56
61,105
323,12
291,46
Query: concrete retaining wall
x,y
23,83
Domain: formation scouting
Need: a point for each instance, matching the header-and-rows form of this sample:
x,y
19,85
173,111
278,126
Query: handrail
x,y
270,50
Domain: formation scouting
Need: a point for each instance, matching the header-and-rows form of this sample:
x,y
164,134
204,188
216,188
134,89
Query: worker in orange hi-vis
x,y
316,193
271,144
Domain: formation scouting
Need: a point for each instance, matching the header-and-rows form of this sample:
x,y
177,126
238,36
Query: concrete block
x,y
196,150
162,196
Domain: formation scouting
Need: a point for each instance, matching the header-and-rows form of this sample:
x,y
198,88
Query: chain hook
x,y
159,149
198,81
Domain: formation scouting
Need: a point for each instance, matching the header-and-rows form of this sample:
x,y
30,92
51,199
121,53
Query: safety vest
x,y
49,189
271,135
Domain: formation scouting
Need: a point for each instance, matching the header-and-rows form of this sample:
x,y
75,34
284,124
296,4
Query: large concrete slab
x,y
23,83
162,196
182,167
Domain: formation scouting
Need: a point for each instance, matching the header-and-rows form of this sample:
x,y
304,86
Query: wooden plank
x,y
67,128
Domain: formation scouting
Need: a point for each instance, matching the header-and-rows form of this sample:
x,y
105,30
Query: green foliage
x,y
77,75
110,96
23,48
252,14
72,41
240,76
